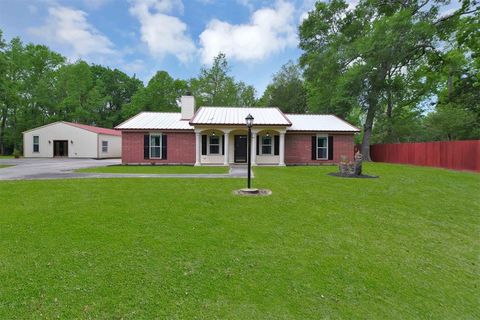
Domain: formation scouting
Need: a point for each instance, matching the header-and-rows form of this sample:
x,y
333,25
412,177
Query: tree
x,y
118,89
27,89
161,94
215,87
356,58
452,123
79,95
286,91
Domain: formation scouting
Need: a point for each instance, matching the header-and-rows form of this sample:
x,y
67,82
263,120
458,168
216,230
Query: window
x,y
36,144
266,144
105,146
214,144
156,146
322,148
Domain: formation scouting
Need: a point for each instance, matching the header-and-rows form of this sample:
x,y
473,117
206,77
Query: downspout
x,y
98,145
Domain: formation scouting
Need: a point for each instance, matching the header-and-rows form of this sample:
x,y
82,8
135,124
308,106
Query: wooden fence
x,y
457,155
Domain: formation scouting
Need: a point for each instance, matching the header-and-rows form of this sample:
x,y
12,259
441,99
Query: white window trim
x,y
271,145
150,145
38,144
219,145
105,148
326,146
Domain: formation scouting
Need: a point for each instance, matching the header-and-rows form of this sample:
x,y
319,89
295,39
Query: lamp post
x,y
249,122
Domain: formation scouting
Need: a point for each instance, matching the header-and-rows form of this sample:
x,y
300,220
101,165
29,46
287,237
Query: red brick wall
x,y
298,148
180,148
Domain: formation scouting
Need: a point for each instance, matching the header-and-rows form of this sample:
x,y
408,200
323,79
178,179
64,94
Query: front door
x,y
240,149
60,148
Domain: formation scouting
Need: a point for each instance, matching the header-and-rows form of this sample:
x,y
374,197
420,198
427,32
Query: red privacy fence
x,y
457,155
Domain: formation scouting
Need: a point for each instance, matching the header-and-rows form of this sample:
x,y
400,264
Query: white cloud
x,y
135,66
69,27
246,3
270,30
164,34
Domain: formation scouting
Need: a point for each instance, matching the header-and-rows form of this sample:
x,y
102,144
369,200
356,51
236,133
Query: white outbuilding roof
x,y
236,116
156,120
319,122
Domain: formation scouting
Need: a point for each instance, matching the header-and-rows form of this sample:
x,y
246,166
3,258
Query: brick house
x,y
218,136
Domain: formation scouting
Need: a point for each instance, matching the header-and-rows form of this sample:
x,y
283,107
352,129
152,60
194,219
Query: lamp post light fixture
x,y
249,123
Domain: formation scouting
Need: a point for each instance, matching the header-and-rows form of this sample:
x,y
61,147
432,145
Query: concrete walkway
x,y
44,169
239,171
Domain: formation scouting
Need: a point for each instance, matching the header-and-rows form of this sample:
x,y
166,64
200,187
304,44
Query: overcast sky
x,y
143,36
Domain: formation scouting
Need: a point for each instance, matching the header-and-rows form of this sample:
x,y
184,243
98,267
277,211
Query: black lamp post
x,y
249,122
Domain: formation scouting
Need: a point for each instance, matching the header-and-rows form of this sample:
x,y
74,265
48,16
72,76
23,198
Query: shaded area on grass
x,y
151,169
403,246
5,165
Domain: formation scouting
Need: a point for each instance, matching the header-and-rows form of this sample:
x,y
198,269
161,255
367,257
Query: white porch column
x,y
254,148
198,145
225,147
281,152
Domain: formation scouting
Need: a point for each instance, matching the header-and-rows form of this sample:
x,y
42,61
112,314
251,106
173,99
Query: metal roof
x,y
236,116
319,122
156,120
98,130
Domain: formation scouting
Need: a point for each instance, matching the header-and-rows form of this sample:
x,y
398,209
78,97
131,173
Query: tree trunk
x,y
367,132
389,109
2,130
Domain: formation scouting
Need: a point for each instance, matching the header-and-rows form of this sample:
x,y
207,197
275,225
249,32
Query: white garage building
x,y
73,140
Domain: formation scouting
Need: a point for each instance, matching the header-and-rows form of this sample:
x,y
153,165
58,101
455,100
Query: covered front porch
x,y
226,146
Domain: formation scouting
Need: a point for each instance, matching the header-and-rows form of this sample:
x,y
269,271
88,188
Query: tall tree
x,y
79,94
161,94
286,91
118,89
215,87
357,57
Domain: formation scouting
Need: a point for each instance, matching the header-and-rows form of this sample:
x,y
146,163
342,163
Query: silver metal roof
x,y
156,120
236,116
319,122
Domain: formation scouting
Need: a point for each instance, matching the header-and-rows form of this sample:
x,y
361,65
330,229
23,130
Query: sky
x,y
180,36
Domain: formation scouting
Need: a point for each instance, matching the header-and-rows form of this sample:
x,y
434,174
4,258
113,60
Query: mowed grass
x,y
157,169
5,166
403,246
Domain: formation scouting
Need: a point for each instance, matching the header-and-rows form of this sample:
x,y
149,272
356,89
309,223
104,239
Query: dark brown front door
x,y
240,149
60,148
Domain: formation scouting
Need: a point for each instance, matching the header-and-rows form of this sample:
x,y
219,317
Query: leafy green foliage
x,y
215,87
286,91
388,59
161,94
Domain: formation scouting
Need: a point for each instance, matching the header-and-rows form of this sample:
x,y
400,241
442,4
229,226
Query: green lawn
x,y
403,246
156,169
5,165
6,157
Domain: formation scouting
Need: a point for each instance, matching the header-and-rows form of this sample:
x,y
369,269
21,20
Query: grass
x,y
156,169
405,245
6,157
5,166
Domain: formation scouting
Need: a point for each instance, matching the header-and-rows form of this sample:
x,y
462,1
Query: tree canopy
x,y
387,59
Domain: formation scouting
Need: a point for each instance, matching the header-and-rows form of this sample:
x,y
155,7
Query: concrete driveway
x,y
63,168
58,168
